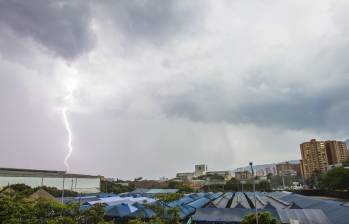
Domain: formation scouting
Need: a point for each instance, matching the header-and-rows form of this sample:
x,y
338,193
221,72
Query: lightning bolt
x,y
70,137
68,99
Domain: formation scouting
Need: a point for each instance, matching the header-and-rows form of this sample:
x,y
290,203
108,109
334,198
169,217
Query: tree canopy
x,y
263,218
335,179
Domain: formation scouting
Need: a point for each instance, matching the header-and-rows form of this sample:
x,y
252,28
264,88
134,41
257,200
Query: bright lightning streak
x,y
70,137
71,87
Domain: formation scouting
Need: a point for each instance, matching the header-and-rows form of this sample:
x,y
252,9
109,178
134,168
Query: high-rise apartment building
x,y
314,157
337,152
318,155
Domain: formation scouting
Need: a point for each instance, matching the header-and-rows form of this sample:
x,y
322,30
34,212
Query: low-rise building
x,y
150,184
227,175
200,170
185,176
288,169
58,179
243,175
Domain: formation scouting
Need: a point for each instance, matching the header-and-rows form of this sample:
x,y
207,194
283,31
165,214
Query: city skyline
x,y
150,88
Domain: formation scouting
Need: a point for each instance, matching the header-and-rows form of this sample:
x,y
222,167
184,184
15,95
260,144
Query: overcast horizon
x,y
151,88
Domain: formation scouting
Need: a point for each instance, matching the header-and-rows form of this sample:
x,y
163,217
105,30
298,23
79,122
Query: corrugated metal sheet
x,y
199,203
182,201
217,215
259,203
161,191
240,200
335,211
221,202
304,216
228,215
185,211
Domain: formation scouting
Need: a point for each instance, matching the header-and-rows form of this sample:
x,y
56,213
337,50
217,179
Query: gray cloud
x,y
153,21
294,109
213,82
64,27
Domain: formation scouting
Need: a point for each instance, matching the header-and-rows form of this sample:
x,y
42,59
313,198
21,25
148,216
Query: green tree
x,y
137,221
335,179
263,185
183,188
232,185
62,220
92,215
169,197
345,163
263,218
56,192
109,186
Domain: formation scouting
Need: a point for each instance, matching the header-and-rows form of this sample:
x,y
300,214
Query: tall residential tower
x,y
318,155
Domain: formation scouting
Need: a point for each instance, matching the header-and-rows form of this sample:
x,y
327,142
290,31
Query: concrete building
x,y
337,152
314,157
185,176
288,169
200,170
227,175
243,175
58,179
317,156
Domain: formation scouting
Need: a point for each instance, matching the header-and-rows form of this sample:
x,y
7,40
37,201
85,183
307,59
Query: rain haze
x,y
151,88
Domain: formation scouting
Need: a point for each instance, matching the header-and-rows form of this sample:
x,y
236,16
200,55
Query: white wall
x,y
81,185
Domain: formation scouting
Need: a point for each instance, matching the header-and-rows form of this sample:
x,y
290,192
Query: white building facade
x,y
58,179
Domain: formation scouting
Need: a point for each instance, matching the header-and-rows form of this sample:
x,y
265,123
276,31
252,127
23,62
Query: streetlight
x,y
254,192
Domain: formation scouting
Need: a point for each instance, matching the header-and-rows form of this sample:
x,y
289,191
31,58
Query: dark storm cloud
x,y
153,20
205,79
61,26
321,111
318,100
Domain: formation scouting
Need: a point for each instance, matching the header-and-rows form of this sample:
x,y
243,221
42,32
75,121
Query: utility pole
x,y
254,192
63,190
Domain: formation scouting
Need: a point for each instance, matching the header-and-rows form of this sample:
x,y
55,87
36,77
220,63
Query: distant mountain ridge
x,y
264,166
347,142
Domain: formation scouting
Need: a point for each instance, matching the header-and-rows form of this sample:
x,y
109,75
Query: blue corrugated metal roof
x,y
84,207
228,215
305,216
161,191
182,201
336,212
185,211
199,203
120,210
221,215
143,212
221,202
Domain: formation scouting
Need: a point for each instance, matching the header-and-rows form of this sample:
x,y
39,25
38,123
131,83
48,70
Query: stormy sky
x,y
159,86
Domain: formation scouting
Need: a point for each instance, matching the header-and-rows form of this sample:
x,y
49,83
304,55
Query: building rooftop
x,y
228,215
17,172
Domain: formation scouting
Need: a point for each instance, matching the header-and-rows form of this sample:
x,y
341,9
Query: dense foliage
x,y
24,190
235,185
183,188
169,197
114,187
335,179
17,208
20,210
263,218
